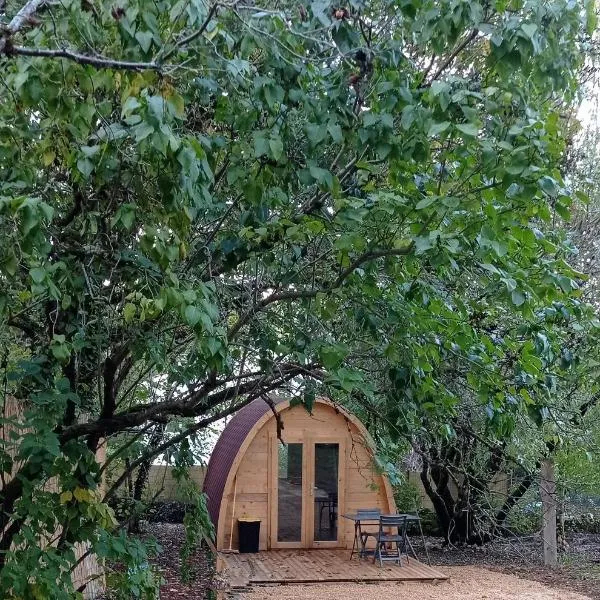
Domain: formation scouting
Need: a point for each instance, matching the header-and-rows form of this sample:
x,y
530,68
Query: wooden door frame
x,y
273,495
310,512
307,537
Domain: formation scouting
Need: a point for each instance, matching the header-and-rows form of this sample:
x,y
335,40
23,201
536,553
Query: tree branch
x,y
189,431
453,55
26,13
18,22
83,59
190,406
312,292
196,34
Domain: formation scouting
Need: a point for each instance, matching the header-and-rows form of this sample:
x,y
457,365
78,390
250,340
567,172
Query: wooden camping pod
x,y
244,475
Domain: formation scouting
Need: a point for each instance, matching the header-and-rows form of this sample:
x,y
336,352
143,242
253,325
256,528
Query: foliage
x,y
200,204
528,518
407,497
128,573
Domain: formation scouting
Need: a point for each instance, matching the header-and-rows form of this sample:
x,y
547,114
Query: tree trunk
x,y
142,477
548,495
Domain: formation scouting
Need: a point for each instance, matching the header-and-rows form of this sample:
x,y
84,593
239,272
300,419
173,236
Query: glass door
x,y
325,493
306,493
287,528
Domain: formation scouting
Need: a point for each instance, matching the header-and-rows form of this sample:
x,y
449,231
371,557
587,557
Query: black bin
x,y
249,534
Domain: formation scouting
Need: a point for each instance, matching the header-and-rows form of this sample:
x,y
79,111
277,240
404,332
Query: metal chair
x,y
331,505
358,544
367,514
385,539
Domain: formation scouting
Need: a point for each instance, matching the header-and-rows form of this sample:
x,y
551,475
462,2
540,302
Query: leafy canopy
x,y
201,203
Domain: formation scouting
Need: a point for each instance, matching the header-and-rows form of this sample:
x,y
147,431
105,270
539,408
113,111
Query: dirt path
x,y
466,583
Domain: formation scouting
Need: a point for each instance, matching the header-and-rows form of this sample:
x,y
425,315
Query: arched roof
x,y
225,451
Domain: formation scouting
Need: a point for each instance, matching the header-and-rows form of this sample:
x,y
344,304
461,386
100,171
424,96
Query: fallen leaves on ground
x,y
203,577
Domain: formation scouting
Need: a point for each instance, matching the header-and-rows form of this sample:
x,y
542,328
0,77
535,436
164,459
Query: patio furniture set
x,y
391,535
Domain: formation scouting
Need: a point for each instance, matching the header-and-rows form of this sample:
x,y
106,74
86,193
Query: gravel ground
x,y
466,583
578,571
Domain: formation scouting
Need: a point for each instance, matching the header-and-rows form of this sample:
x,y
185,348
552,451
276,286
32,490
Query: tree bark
x,y
548,495
142,476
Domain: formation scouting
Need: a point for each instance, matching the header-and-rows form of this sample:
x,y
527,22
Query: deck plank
x,y
311,566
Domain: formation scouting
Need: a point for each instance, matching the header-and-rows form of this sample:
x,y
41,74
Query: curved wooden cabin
x,y
298,489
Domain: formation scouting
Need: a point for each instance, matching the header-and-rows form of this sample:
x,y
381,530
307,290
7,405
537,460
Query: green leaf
x,y
518,298
38,274
332,356
370,119
144,38
90,151
261,145
322,176
428,201
563,211
142,131
85,167
316,133
565,283
156,106
129,106
335,131
468,129
408,117
516,130
192,315
529,29
549,185
422,244
591,16
437,128
125,215
60,351
9,264
491,268
129,311
276,146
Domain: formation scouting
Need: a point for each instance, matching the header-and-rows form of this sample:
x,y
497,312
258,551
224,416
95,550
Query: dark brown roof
x,y
225,451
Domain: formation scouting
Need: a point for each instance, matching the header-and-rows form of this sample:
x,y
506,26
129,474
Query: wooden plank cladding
x,y
318,566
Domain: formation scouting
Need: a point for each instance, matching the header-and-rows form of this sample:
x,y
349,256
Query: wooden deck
x,y
317,566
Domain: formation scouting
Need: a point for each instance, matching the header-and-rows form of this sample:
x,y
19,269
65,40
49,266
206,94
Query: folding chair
x,y
368,514
386,541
